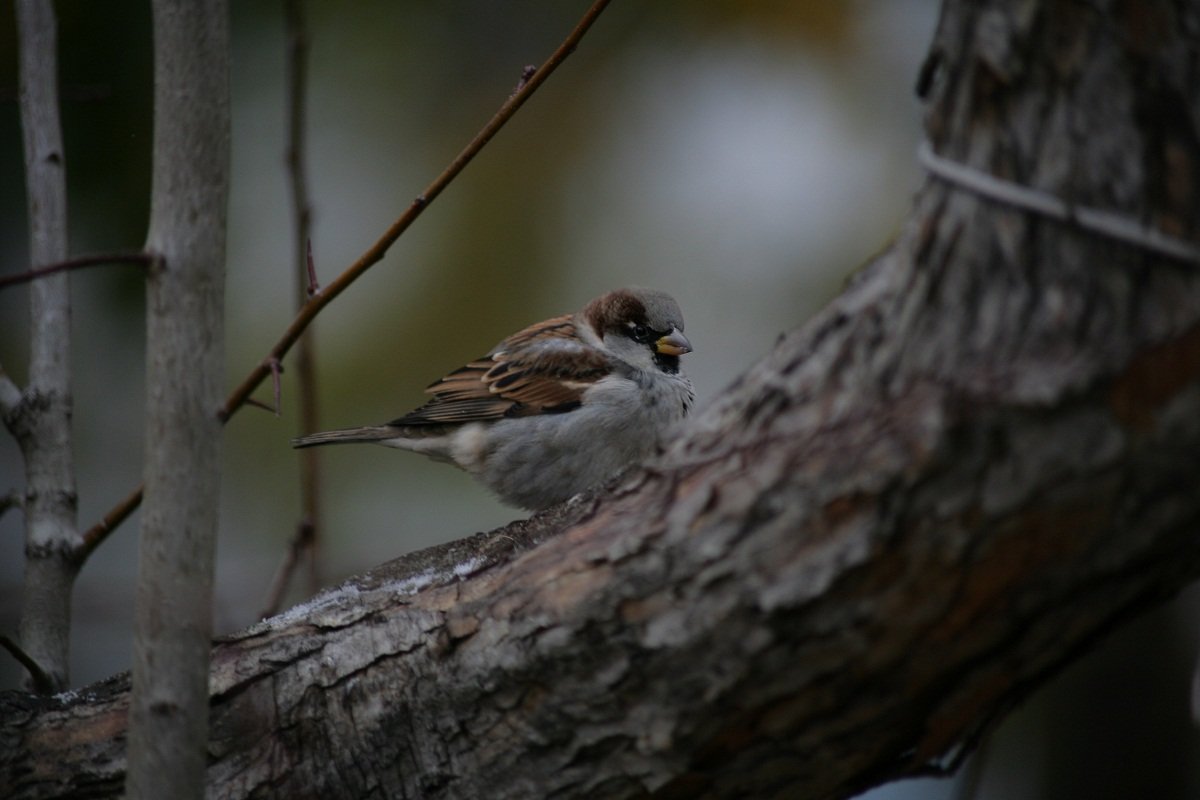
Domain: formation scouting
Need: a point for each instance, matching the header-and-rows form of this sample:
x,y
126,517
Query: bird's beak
x,y
673,344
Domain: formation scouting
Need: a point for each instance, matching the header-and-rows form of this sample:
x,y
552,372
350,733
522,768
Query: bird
x,y
556,408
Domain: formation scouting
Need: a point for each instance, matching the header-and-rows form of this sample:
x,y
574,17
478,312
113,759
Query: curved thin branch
x,y
141,259
42,682
95,535
375,253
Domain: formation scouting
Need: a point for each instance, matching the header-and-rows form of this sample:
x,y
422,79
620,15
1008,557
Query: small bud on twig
x,y
528,72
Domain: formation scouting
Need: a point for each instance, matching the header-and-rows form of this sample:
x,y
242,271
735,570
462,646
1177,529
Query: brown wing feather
x,y
544,368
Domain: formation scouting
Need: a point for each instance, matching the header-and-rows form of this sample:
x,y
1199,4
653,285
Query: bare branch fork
x,y
375,253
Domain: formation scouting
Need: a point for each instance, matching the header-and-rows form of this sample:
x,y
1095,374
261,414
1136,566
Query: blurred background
x,y
745,157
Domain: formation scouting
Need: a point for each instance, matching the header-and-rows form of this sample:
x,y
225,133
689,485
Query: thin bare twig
x,y
304,543
256,403
100,259
301,544
96,534
375,253
40,680
527,73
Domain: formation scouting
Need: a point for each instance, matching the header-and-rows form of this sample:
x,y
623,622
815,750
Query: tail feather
x,y
374,433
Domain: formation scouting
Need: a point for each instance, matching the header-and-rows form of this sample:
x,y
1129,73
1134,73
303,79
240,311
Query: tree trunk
x,y
185,359
40,419
978,460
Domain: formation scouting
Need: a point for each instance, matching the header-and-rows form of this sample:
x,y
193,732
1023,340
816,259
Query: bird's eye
x,y
639,333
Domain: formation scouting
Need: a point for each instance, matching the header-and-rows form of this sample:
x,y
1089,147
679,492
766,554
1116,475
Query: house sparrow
x,y
557,407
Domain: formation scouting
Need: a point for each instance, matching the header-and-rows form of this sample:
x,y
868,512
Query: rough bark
x,y
40,416
184,376
979,459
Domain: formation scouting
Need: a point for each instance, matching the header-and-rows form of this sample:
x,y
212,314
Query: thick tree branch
x,y
977,461
841,574
185,361
840,592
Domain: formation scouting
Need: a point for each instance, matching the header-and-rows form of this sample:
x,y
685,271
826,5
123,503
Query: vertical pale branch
x,y
41,418
184,372
304,543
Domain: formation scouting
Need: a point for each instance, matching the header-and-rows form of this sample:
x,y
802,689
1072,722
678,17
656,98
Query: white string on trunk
x,y
1103,223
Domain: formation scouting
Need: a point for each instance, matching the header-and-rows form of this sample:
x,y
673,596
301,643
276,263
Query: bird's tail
x,y
374,433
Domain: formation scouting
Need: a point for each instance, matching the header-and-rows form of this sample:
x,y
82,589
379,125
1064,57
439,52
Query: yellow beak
x,y
673,344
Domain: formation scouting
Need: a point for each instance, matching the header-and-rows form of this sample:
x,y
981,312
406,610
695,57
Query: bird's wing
x,y
543,369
